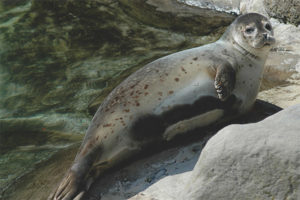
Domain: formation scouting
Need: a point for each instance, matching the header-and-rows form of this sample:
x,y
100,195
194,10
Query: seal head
x,y
251,32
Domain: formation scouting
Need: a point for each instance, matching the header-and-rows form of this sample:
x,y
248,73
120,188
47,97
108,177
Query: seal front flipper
x,y
224,80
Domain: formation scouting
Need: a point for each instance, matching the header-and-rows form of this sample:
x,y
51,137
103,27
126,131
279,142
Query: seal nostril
x,y
265,35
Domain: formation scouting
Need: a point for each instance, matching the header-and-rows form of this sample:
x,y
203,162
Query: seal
x,y
171,96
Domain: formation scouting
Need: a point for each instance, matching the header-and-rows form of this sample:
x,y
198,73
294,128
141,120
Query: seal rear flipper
x,y
225,80
75,181
68,189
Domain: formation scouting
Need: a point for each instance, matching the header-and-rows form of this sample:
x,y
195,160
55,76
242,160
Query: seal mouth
x,y
269,41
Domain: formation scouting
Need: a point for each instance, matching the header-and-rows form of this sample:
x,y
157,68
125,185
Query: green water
x,y
60,58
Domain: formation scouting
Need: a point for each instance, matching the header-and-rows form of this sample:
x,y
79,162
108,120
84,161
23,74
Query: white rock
x,y
254,161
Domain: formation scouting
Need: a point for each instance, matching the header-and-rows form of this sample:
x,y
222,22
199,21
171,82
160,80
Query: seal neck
x,y
243,51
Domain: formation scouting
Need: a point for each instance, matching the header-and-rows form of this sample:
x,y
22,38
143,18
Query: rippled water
x,y
58,60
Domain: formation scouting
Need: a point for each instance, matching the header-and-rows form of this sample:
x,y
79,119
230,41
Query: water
x,y
58,60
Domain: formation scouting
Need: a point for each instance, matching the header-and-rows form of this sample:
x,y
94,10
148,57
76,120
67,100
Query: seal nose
x,y
268,39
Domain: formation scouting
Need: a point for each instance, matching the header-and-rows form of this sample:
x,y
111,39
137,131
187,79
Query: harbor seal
x,y
172,96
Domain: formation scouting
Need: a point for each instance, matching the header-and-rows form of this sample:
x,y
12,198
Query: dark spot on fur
x,y
160,93
250,65
126,110
182,69
145,87
146,93
137,103
225,52
196,58
131,93
171,92
90,148
176,79
106,125
147,127
191,62
203,54
166,74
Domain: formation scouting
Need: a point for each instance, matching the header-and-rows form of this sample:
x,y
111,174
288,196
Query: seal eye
x,y
249,30
268,27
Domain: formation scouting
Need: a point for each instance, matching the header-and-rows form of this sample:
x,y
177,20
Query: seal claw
x,y
68,188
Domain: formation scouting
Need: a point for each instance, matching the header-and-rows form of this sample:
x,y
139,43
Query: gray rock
x,y
253,161
247,6
217,5
287,11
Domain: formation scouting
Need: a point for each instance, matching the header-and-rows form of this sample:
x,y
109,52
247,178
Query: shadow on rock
x,y
174,158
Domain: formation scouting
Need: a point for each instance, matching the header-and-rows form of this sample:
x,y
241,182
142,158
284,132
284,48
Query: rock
x,y
281,83
179,15
252,161
215,5
163,175
287,11
282,66
247,6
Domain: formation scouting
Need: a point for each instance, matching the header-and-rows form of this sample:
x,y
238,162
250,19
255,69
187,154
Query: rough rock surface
x,y
219,5
253,161
284,10
281,84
